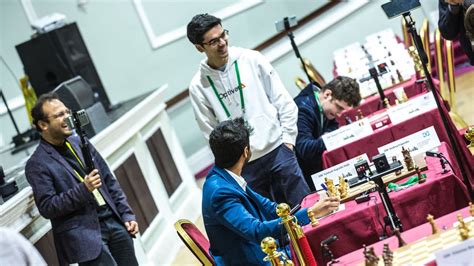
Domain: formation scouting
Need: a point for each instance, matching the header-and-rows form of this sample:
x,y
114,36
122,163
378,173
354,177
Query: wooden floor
x,y
464,107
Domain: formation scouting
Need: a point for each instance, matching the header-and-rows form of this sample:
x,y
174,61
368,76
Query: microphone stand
x,y
424,60
391,219
297,52
89,165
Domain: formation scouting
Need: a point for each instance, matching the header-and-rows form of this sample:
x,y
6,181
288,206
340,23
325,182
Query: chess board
x,y
422,251
356,191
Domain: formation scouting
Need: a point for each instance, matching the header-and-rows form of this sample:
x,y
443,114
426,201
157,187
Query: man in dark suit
x,y
91,220
235,217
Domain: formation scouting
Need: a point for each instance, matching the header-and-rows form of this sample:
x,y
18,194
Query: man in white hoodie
x,y
234,82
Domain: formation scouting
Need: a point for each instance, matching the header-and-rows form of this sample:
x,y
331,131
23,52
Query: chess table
x,y
390,133
421,243
359,223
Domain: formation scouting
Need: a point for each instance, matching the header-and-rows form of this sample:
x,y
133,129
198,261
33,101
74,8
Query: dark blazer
x,y
236,221
63,199
309,144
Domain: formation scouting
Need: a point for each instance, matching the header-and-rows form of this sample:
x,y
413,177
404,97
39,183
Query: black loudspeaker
x,y
76,94
59,55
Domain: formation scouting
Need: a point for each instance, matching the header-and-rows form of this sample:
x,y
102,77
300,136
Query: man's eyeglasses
x,y
214,42
60,114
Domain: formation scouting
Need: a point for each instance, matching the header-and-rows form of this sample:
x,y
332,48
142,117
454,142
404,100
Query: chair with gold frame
x,y
195,240
425,39
313,75
406,35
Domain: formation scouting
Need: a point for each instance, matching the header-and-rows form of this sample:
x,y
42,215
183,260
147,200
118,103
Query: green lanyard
x,y
242,101
316,96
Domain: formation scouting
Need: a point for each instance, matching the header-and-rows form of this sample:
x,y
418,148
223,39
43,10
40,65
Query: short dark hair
x,y
199,25
228,141
344,89
37,111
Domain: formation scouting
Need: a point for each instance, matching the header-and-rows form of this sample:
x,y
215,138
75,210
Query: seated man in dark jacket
x,y
317,110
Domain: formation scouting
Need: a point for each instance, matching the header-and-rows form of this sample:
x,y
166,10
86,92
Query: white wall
x,y
129,65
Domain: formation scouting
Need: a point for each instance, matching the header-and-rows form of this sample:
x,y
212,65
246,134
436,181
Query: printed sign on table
x,y
417,143
347,134
345,169
411,108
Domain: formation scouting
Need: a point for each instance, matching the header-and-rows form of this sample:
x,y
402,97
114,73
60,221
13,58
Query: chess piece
x,y
410,165
386,103
434,227
393,80
343,187
401,242
359,114
394,160
421,178
404,97
314,221
399,76
332,190
387,255
471,209
370,258
397,102
463,228
469,135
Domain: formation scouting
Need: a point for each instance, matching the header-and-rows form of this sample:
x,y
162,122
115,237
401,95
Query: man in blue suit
x,y
91,220
235,217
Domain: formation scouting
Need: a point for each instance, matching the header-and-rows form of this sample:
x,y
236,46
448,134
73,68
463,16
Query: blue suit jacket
x,y
63,199
236,221
309,144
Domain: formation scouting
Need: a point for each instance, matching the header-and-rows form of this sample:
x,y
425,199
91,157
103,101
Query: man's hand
x,y
325,206
132,227
454,2
290,146
92,180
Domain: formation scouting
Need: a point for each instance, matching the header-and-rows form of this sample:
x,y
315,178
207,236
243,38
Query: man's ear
x,y
199,48
327,94
42,125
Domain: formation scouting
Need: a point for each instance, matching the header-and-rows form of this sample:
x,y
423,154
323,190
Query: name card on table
x,y
345,169
460,254
417,143
411,108
347,134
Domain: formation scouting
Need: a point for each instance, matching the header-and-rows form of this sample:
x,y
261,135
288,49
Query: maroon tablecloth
x,y
359,223
444,222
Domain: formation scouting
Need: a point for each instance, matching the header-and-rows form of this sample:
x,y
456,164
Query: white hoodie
x,y
269,108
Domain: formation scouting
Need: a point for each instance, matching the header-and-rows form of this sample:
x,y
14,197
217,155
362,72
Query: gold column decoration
x,y
425,39
29,95
439,63
406,36
416,60
294,230
276,258
313,73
